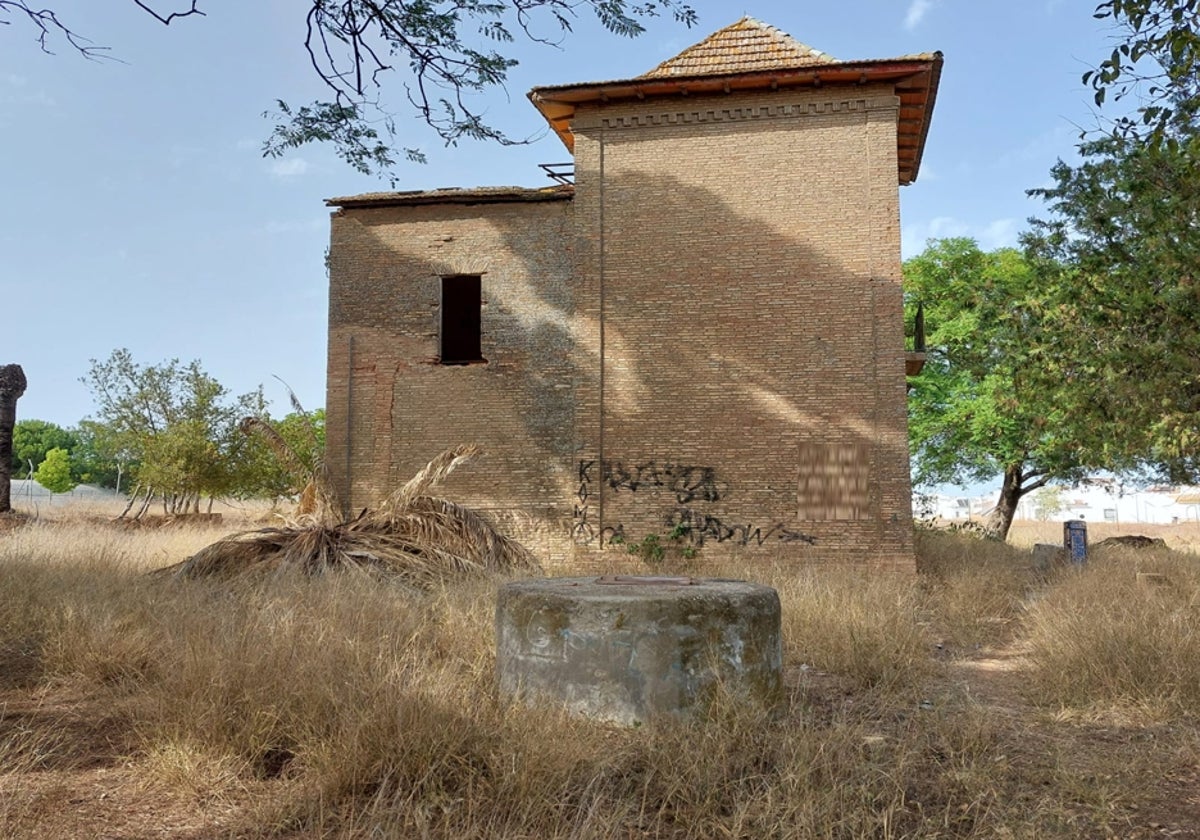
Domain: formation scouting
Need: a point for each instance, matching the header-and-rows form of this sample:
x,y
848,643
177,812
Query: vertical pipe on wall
x,y
349,425
875,494
600,442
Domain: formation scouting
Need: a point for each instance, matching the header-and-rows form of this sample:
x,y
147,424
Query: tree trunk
x,y
145,503
12,386
132,499
1001,517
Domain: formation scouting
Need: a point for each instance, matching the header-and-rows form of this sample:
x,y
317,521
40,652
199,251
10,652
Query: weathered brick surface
x,y
399,405
708,336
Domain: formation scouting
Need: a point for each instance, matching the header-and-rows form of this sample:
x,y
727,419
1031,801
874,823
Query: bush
x,y
54,473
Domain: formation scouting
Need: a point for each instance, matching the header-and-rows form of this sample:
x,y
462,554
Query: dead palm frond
x,y
426,478
318,502
417,538
288,459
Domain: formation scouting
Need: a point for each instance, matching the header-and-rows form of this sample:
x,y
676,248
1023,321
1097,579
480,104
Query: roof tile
x,y
743,47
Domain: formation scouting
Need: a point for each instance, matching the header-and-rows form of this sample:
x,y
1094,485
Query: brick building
x,y
703,334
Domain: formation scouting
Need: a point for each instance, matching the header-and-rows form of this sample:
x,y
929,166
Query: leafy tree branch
x,y
445,52
1156,60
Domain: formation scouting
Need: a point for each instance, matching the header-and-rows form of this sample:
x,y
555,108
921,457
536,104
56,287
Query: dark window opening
x,y
461,326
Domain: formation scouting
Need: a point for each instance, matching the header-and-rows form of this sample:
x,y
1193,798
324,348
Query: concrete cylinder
x,y
629,649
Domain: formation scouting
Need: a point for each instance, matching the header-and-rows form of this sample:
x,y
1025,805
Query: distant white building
x,y
26,489
1111,500
1094,500
942,506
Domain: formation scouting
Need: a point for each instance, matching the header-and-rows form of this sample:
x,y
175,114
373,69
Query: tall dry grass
x,y
1123,630
346,707
976,588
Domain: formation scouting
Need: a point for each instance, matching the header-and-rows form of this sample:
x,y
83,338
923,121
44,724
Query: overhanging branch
x,y
165,20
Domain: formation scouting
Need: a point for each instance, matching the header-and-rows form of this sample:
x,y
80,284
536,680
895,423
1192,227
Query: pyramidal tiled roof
x,y
747,46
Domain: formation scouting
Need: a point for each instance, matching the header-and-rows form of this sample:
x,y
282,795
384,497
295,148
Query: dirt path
x,y
1160,762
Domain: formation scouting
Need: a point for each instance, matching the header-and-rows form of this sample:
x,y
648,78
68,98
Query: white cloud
x,y
289,168
1002,233
914,236
19,92
916,12
999,233
928,173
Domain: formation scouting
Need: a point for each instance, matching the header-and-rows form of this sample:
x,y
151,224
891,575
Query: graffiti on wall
x,y
699,528
583,532
689,484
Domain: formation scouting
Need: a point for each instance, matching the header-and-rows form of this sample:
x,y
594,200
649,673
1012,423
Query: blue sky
x,y
138,212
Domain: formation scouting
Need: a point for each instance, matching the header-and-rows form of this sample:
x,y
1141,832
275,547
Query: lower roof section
x,y
455,195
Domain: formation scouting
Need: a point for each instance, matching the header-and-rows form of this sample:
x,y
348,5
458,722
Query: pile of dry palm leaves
x,y
418,538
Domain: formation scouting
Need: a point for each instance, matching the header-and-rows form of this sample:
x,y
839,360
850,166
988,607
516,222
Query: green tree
x,y
54,473
976,411
1120,260
99,457
178,423
1048,502
445,52
32,439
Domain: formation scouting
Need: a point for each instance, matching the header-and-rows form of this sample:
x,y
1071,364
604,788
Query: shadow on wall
x,y
752,381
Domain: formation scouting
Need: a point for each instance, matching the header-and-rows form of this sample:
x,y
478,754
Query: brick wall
x,y
747,252
708,336
401,407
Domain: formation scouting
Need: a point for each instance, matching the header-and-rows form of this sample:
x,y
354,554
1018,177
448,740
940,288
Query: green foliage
x,y
653,550
357,142
32,439
54,473
1120,261
1158,60
304,434
446,53
451,54
177,422
650,549
971,412
1048,503
100,458
978,408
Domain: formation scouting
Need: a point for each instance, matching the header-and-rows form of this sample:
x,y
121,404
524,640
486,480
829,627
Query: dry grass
x,y
345,706
1183,537
1124,630
976,588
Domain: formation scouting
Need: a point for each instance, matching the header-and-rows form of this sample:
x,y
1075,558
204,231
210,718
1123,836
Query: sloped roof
x,y
746,46
455,195
749,56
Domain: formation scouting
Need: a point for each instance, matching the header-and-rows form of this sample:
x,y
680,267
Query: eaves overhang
x,y
914,78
